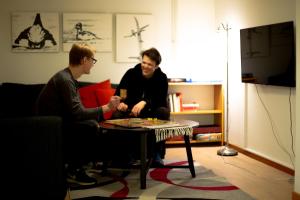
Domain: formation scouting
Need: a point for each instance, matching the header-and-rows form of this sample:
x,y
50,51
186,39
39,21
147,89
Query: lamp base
x,y
226,151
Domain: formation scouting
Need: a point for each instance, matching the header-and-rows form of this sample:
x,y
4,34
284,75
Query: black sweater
x,y
153,90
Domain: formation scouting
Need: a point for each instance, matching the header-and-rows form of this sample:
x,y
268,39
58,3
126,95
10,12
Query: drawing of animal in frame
x,y
92,28
35,32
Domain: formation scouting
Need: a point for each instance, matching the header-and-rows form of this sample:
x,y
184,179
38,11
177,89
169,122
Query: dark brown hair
x,y
153,54
79,51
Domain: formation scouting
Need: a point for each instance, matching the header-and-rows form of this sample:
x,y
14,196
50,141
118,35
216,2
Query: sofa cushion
x,y
18,100
88,97
103,97
88,93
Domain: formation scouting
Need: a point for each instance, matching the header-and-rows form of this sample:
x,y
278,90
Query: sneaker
x,y
80,177
157,162
97,167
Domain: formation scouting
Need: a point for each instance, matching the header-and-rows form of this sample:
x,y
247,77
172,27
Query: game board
x,y
142,123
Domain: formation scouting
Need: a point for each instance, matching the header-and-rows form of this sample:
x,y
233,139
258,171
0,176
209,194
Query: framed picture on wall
x,y
134,33
92,28
35,32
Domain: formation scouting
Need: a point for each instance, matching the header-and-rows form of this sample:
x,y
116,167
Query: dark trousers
x,y
130,144
82,143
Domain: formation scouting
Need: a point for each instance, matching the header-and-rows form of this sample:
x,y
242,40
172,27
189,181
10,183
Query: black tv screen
x,y
268,54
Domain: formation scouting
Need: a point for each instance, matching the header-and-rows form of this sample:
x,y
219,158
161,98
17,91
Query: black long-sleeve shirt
x,y
153,90
60,97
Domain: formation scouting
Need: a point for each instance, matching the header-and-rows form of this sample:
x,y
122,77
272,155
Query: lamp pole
x,y
226,150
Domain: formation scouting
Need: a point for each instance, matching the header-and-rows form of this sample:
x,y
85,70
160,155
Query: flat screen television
x,y
268,54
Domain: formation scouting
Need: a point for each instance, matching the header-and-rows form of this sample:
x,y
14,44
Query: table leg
x,y
143,169
189,155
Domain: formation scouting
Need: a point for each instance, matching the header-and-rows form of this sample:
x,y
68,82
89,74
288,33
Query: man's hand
x,y
114,102
122,107
137,108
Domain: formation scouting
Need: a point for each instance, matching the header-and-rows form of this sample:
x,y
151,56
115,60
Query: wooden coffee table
x,y
143,133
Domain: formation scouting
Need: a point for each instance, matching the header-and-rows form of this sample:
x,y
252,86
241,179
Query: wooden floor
x,y
257,179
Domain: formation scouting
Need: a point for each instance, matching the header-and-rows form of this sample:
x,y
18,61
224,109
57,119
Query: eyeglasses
x,y
94,60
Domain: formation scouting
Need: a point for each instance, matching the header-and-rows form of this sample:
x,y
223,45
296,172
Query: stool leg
x,y
189,155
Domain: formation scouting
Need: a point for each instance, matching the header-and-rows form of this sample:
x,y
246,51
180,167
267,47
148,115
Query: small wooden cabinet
x,y
209,97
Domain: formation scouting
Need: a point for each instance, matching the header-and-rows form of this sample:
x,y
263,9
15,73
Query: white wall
x,y
183,54
252,129
38,67
194,41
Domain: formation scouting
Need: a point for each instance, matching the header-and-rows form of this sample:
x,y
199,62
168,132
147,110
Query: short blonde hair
x,y
79,51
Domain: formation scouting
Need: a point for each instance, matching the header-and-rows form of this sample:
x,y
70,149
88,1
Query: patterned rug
x,y
162,183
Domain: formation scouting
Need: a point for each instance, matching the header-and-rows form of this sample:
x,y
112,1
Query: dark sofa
x,y
32,146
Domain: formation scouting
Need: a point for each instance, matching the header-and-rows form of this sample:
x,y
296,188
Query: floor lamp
x,y
226,150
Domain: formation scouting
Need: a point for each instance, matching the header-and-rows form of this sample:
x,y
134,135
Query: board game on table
x,y
143,123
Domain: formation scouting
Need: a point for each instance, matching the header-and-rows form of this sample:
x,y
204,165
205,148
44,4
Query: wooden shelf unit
x,y
210,98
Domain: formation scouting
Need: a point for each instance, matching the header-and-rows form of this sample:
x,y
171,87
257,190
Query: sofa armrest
x,y
35,158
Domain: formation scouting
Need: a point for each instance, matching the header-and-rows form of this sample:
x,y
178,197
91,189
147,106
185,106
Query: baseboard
x,y
264,160
295,196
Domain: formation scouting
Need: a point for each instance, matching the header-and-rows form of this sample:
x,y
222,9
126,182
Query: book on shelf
x,y
175,102
176,138
170,100
211,137
206,129
190,106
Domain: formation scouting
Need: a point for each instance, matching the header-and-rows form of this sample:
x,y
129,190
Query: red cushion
x,y
103,97
88,93
88,98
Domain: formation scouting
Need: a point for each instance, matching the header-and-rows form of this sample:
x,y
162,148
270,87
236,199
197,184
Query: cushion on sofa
x,y
17,99
88,93
96,95
88,97
103,97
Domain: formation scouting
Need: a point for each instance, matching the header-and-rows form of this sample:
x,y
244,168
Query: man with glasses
x,y
60,97
94,60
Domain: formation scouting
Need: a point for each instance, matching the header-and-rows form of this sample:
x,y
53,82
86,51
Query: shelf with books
x,y
206,105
